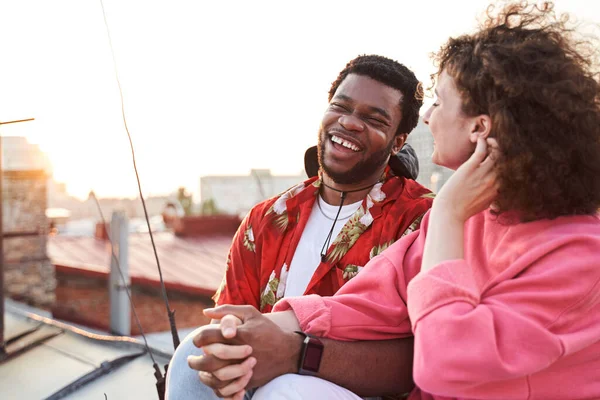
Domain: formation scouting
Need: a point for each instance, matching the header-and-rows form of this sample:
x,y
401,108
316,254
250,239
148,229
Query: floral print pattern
x,y
356,225
249,239
351,271
264,245
282,282
268,296
377,250
279,207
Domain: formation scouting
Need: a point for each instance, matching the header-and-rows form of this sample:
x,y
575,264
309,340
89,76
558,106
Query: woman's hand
x,y
469,191
474,185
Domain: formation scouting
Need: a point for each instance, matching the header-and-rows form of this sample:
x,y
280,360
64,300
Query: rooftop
x,y
51,361
189,264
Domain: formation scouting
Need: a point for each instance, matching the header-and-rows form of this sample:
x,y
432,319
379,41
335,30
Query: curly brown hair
x,y
536,77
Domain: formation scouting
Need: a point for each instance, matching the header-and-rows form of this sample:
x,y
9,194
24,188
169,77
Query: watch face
x,y
312,358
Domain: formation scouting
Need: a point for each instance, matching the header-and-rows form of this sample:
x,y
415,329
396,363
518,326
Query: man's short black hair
x,y
392,74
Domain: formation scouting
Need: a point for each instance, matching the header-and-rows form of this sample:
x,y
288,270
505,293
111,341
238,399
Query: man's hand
x,y
276,350
225,368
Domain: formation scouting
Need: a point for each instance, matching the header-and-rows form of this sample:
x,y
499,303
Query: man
x,y
318,235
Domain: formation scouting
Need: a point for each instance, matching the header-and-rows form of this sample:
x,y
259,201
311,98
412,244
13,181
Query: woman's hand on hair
x,y
469,191
474,185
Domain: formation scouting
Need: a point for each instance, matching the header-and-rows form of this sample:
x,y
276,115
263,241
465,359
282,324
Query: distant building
x,y
430,175
237,194
87,210
28,274
20,155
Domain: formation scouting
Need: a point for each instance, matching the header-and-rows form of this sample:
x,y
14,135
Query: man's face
x,y
358,130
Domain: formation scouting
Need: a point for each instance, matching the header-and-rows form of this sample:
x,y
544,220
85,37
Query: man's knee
x,y
298,387
186,348
183,381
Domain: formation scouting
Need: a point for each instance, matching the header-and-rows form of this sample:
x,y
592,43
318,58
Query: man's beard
x,y
359,172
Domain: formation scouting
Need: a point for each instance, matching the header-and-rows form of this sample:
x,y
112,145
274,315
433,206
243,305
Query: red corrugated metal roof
x,y
193,265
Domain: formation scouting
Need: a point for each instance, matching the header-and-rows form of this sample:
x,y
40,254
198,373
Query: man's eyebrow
x,y
380,111
343,97
376,110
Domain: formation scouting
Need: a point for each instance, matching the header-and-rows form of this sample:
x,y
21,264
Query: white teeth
x,y
344,143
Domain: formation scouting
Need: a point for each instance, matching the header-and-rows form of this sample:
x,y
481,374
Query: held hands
x,y
246,350
474,185
225,367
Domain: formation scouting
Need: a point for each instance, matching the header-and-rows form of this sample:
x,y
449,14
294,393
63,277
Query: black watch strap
x,y
310,354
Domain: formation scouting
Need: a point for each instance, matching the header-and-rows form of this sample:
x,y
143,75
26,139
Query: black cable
x,y
328,240
343,194
104,369
170,313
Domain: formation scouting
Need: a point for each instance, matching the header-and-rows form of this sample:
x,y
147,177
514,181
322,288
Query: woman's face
x,y
454,133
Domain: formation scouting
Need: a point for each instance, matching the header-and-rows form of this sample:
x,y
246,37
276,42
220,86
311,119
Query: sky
x,y
209,87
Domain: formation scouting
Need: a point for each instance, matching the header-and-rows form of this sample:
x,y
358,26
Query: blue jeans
x,y
183,382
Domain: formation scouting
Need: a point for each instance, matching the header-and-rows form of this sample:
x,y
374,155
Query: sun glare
x,y
204,94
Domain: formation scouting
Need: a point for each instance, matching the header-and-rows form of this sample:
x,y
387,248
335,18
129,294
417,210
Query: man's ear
x,y
482,127
399,141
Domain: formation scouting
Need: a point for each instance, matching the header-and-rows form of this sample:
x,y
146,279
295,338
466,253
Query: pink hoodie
x,y
518,318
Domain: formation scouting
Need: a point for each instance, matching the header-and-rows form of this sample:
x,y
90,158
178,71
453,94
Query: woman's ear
x,y
399,141
482,127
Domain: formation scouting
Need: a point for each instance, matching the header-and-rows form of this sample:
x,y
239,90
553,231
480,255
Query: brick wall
x,y
206,225
82,297
28,273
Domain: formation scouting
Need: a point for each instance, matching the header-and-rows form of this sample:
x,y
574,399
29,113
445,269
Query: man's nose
x,y
351,123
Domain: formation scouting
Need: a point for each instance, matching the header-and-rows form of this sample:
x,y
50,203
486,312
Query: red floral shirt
x,y
264,245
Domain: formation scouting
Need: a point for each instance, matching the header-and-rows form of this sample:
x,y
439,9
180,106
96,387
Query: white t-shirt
x,y
308,253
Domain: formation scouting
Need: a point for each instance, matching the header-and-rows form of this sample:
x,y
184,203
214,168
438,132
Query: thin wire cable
x,y
343,194
325,247
170,313
114,257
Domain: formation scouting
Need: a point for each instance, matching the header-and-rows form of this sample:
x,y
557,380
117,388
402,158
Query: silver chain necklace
x,y
327,216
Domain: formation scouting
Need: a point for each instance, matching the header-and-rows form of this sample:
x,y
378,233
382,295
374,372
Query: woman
x,y
504,292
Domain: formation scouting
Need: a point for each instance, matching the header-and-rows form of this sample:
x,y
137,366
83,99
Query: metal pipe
x,y
17,120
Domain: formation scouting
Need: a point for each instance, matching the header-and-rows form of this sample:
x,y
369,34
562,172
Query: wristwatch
x,y
310,356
